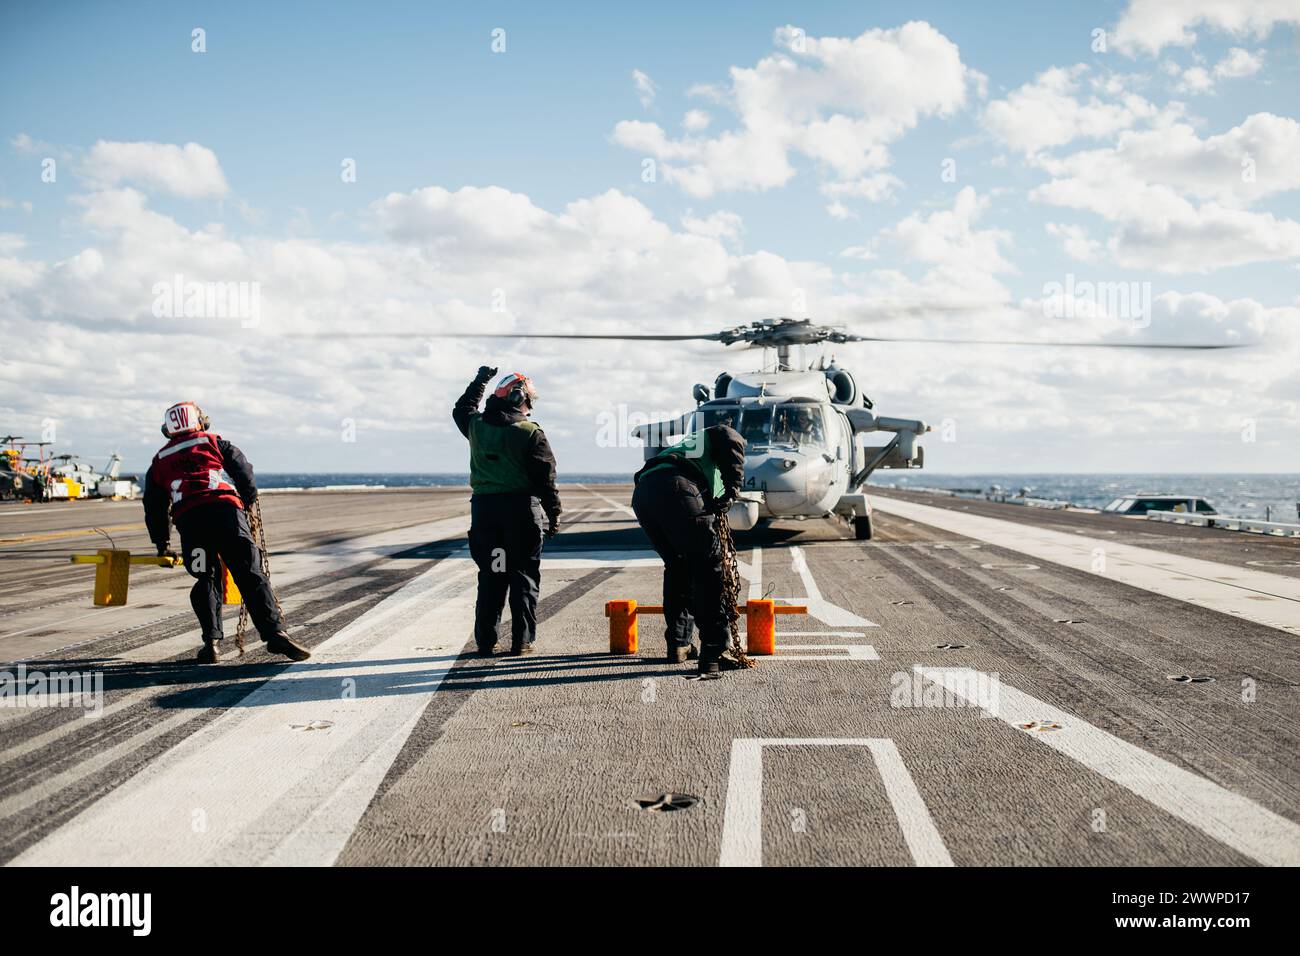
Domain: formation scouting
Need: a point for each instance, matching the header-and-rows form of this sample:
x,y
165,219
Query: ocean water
x,y
407,480
1247,495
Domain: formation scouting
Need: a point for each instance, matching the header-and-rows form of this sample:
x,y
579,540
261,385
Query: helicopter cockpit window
x,y
708,417
796,424
756,425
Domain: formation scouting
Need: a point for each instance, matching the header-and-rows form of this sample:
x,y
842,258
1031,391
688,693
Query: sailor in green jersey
x,y
512,474
678,495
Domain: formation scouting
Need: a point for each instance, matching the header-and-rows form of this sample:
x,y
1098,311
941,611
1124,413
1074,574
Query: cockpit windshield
x,y
708,417
797,424
756,425
789,423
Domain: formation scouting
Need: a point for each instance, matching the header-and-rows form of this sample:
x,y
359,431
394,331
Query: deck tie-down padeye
x,y
760,624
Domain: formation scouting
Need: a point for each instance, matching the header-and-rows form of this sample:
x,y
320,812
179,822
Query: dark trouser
x,y
505,541
672,514
221,530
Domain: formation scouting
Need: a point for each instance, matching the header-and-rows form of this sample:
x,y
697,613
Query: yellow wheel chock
x,y
113,571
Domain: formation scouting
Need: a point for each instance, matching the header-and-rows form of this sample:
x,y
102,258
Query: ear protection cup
x,y
516,389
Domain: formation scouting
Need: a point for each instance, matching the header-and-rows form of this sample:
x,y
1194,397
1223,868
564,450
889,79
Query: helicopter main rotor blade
x,y
850,337
712,337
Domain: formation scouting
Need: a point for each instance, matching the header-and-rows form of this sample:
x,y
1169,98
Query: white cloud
x,y
1212,238
959,265
1181,201
435,260
1237,63
718,225
645,88
22,143
1075,241
875,188
696,121
191,170
839,102
1243,165
1048,111
1148,26
438,259
947,236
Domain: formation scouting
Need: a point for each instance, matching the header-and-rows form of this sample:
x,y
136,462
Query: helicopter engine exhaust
x,y
844,390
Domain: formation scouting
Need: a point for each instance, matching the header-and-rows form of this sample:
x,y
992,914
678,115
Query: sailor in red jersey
x,y
206,483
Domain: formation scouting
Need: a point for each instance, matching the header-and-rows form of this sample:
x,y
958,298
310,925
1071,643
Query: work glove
x,y
165,551
720,505
553,526
484,373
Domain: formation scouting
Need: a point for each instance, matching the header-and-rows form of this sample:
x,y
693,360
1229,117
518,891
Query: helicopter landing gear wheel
x,y
862,528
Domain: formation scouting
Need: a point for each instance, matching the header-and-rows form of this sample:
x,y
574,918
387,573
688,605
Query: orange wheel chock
x,y
760,624
622,626
760,627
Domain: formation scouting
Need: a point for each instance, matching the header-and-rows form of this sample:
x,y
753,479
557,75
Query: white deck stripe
x,y
616,505
818,606
601,559
853,652
1231,819
913,816
753,571
742,819
742,825
1269,599
251,759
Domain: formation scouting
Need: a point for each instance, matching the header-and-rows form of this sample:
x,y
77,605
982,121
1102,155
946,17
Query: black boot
x,y
680,654
209,653
519,650
714,658
282,643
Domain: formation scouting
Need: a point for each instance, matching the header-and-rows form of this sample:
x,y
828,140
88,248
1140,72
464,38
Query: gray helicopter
x,y
800,422
803,422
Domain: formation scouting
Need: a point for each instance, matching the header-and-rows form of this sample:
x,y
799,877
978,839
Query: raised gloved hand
x,y
485,373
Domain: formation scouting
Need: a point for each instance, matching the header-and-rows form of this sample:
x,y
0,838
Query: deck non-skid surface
x,y
951,699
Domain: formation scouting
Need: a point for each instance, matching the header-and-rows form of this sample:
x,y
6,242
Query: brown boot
x,y
282,643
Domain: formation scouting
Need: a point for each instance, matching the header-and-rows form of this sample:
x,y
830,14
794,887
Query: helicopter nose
x,y
794,481
779,474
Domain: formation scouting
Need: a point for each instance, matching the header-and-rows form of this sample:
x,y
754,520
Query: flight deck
x,y
978,684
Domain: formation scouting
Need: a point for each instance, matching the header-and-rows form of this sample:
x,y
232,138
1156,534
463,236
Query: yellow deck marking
x,y
80,533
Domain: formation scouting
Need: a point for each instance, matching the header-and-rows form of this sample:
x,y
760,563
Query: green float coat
x,y
693,450
496,456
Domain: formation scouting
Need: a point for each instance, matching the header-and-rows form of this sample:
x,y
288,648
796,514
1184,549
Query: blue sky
x,y
414,93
